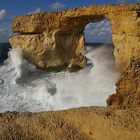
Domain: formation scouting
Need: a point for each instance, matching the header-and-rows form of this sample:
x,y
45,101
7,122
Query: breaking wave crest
x,y
24,88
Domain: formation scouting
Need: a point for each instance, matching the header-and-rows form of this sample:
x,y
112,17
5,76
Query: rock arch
x,y
55,39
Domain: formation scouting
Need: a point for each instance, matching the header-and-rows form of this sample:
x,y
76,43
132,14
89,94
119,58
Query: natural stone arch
x,y
54,39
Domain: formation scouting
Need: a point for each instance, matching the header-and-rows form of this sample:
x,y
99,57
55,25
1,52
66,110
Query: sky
x,y
11,8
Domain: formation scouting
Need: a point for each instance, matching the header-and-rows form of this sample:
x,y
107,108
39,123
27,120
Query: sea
x,y
23,87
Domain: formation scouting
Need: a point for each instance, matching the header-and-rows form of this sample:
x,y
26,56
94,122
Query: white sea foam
x,y
24,88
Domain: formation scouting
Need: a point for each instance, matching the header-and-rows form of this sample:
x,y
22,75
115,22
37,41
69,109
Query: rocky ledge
x,y
92,123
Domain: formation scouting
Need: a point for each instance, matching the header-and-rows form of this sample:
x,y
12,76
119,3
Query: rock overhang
x,y
45,20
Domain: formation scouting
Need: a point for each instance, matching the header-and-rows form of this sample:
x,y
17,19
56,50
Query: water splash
x,y
24,88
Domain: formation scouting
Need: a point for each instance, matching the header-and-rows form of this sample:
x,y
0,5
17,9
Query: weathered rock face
x,y
43,51
121,123
55,39
128,87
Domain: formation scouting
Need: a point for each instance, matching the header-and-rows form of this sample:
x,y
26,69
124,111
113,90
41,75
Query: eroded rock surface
x,y
128,87
92,123
55,39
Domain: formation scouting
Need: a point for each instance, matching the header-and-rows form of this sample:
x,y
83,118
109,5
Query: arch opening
x,y
99,51
98,32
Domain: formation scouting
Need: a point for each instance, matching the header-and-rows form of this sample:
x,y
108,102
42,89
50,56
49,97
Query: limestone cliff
x,y
54,39
128,87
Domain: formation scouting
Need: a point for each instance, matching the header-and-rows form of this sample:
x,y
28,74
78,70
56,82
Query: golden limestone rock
x,y
128,87
89,123
55,39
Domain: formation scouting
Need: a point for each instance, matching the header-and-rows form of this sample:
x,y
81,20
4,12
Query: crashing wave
x,y
24,88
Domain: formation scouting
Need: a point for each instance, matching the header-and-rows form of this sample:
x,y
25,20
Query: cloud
x,y
4,35
37,10
98,32
57,6
2,14
4,32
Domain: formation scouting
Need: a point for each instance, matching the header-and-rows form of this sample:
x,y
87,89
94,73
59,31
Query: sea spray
x,y
17,66
24,88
